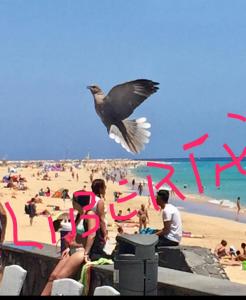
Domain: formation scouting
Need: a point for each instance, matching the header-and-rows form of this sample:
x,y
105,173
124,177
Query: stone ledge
x,y
183,283
39,265
173,282
191,259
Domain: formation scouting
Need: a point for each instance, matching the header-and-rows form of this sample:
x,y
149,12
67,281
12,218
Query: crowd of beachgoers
x,y
50,185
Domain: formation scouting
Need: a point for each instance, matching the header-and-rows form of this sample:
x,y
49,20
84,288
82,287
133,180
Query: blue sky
x,y
51,50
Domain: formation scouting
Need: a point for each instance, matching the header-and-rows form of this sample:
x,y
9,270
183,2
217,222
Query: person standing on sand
x,y
238,208
140,189
32,210
65,195
143,217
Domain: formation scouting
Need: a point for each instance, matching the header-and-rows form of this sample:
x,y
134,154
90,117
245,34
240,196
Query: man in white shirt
x,y
171,234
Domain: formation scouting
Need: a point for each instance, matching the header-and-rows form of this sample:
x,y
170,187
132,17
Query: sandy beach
x,y
211,229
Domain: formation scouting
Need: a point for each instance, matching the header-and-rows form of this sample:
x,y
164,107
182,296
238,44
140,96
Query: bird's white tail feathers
x,y
135,136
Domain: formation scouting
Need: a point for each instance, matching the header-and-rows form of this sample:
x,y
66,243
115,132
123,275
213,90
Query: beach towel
x,y
148,230
191,235
85,276
244,265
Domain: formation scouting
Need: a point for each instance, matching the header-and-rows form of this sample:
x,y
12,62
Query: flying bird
x,y
115,107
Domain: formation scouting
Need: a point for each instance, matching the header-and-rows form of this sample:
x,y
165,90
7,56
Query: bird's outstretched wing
x,y
124,98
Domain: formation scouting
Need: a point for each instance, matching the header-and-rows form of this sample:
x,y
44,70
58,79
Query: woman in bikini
x,y
79,250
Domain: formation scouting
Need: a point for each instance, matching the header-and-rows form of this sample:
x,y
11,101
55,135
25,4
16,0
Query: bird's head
x,y
94,89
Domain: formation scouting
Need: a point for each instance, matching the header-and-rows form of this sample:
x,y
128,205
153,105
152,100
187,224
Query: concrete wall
x,y
193,259
173,282
40,263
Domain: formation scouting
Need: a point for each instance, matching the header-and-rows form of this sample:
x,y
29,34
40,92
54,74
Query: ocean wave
x,y
228,203
223,202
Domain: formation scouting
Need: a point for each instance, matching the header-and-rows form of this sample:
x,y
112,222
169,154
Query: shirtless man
x,y
143,217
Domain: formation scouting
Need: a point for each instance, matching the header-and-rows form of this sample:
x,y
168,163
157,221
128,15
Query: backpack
x,y
27,209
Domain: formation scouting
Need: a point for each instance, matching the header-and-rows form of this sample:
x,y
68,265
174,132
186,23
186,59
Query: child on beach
x,y
241,256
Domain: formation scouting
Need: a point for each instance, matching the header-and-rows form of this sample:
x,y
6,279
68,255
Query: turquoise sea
x,y
233,183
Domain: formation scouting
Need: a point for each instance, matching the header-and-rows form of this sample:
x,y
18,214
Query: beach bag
x,y
27,209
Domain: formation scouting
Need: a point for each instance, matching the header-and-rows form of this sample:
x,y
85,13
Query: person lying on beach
x,y
220,250
37,199
44,212
21,186
46,177
230,262
11,185
189,234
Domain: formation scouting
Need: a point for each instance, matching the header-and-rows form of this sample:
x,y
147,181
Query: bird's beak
x,y
88,87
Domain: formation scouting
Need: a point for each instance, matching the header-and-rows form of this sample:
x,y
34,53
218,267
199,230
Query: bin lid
x,y
138,239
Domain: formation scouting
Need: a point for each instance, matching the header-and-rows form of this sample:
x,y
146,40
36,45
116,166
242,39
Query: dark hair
x,y
97,185
223,242
163,195
81,199
243,245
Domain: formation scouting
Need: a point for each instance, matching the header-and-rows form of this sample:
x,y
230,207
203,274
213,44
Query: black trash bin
x,y
136,264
